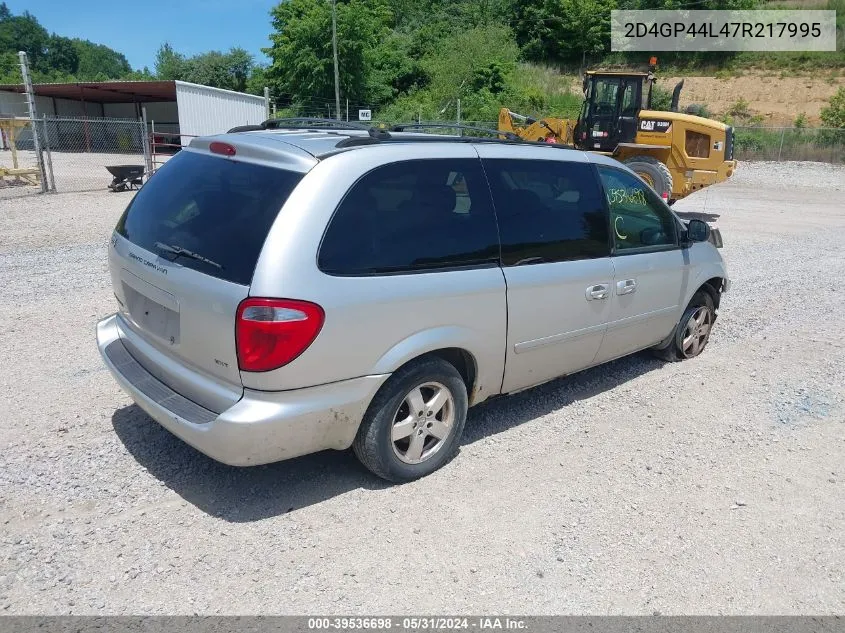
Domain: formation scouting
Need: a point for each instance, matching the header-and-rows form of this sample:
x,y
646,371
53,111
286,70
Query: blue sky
x,y
137,29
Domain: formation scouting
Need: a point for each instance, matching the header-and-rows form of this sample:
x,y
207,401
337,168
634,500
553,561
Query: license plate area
x,y
151,309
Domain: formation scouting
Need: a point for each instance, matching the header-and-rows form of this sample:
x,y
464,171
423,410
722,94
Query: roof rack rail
x,y
358,141
299,123
401,127
375,136
246,128
311,122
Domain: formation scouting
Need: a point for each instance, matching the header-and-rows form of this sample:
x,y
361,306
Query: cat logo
x,y
648,125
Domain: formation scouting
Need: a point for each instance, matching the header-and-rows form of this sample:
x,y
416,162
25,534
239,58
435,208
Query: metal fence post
x,y
780,149
30,102
48,152
460,132
145,142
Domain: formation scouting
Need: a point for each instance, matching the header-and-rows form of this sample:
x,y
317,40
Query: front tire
x,y
692,333
414,424
653,172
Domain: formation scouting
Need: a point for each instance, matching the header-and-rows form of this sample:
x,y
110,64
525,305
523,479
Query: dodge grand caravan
x,y
281,292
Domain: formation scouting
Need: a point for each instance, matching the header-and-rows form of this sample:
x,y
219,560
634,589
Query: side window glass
x,y
629,104
637,218
605,101
410,216
548,211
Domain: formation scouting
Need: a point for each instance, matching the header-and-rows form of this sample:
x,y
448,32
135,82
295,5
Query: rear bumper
x,y
262,427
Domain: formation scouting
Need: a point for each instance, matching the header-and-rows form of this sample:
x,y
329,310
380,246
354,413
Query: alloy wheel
x,y
697,332
423,423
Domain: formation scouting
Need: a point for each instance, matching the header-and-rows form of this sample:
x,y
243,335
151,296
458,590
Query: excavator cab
x,y
612,102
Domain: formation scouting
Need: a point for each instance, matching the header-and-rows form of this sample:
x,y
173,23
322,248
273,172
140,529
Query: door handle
x,y
598,291
626,287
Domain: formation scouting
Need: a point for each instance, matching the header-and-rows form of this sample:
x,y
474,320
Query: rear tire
x,y
414,424
692,333
653,172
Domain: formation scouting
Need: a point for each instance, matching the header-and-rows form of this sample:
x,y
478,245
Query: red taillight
x,y
665,195
222,148
270,333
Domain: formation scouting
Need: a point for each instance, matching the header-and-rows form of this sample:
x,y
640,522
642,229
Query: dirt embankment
x,y
777,99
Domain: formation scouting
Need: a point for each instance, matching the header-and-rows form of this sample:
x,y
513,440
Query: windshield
x,y
604,96
208,213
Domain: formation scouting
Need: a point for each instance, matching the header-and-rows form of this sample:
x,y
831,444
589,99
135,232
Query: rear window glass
x,y
219,209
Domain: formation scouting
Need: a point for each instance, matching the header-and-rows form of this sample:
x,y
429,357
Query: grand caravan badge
x,y
652,125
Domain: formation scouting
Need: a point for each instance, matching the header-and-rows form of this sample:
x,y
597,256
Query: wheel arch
x,y
713,287
464,362
451,344
628,151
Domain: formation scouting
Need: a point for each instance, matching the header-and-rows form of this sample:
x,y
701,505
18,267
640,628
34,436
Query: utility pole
x,y
30,102
334,50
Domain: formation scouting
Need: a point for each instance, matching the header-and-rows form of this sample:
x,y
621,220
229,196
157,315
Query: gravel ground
x,y
711,486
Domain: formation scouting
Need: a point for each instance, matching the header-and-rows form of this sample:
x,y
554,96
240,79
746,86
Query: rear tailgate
x,y
182,259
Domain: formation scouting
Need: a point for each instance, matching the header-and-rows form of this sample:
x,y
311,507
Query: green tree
x,y
833,115
23,33
230,71
139,75
9,68
661,98
257,80
208,69
475,59
584,27
475,66
240,64
392,71
533,23
62,55
96,60
569,30
53,57
301,51
169,64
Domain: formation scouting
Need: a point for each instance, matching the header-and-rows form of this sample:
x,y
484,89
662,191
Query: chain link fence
x,y
826,145
80,150
76,153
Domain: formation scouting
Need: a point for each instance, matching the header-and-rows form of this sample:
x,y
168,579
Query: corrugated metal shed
x,y
172,106
103,91
204,110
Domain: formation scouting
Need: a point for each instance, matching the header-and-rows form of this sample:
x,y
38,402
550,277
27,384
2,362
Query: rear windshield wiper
x,y
178,250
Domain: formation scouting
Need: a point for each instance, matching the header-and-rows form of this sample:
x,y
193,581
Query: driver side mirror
x,y
698,231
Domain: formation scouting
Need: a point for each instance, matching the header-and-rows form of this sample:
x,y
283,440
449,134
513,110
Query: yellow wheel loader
x,y
675,153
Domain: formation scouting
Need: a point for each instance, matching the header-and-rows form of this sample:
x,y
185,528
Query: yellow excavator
x,y
675,153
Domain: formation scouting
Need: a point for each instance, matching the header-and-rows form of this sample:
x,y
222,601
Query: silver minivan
x,y
281,292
